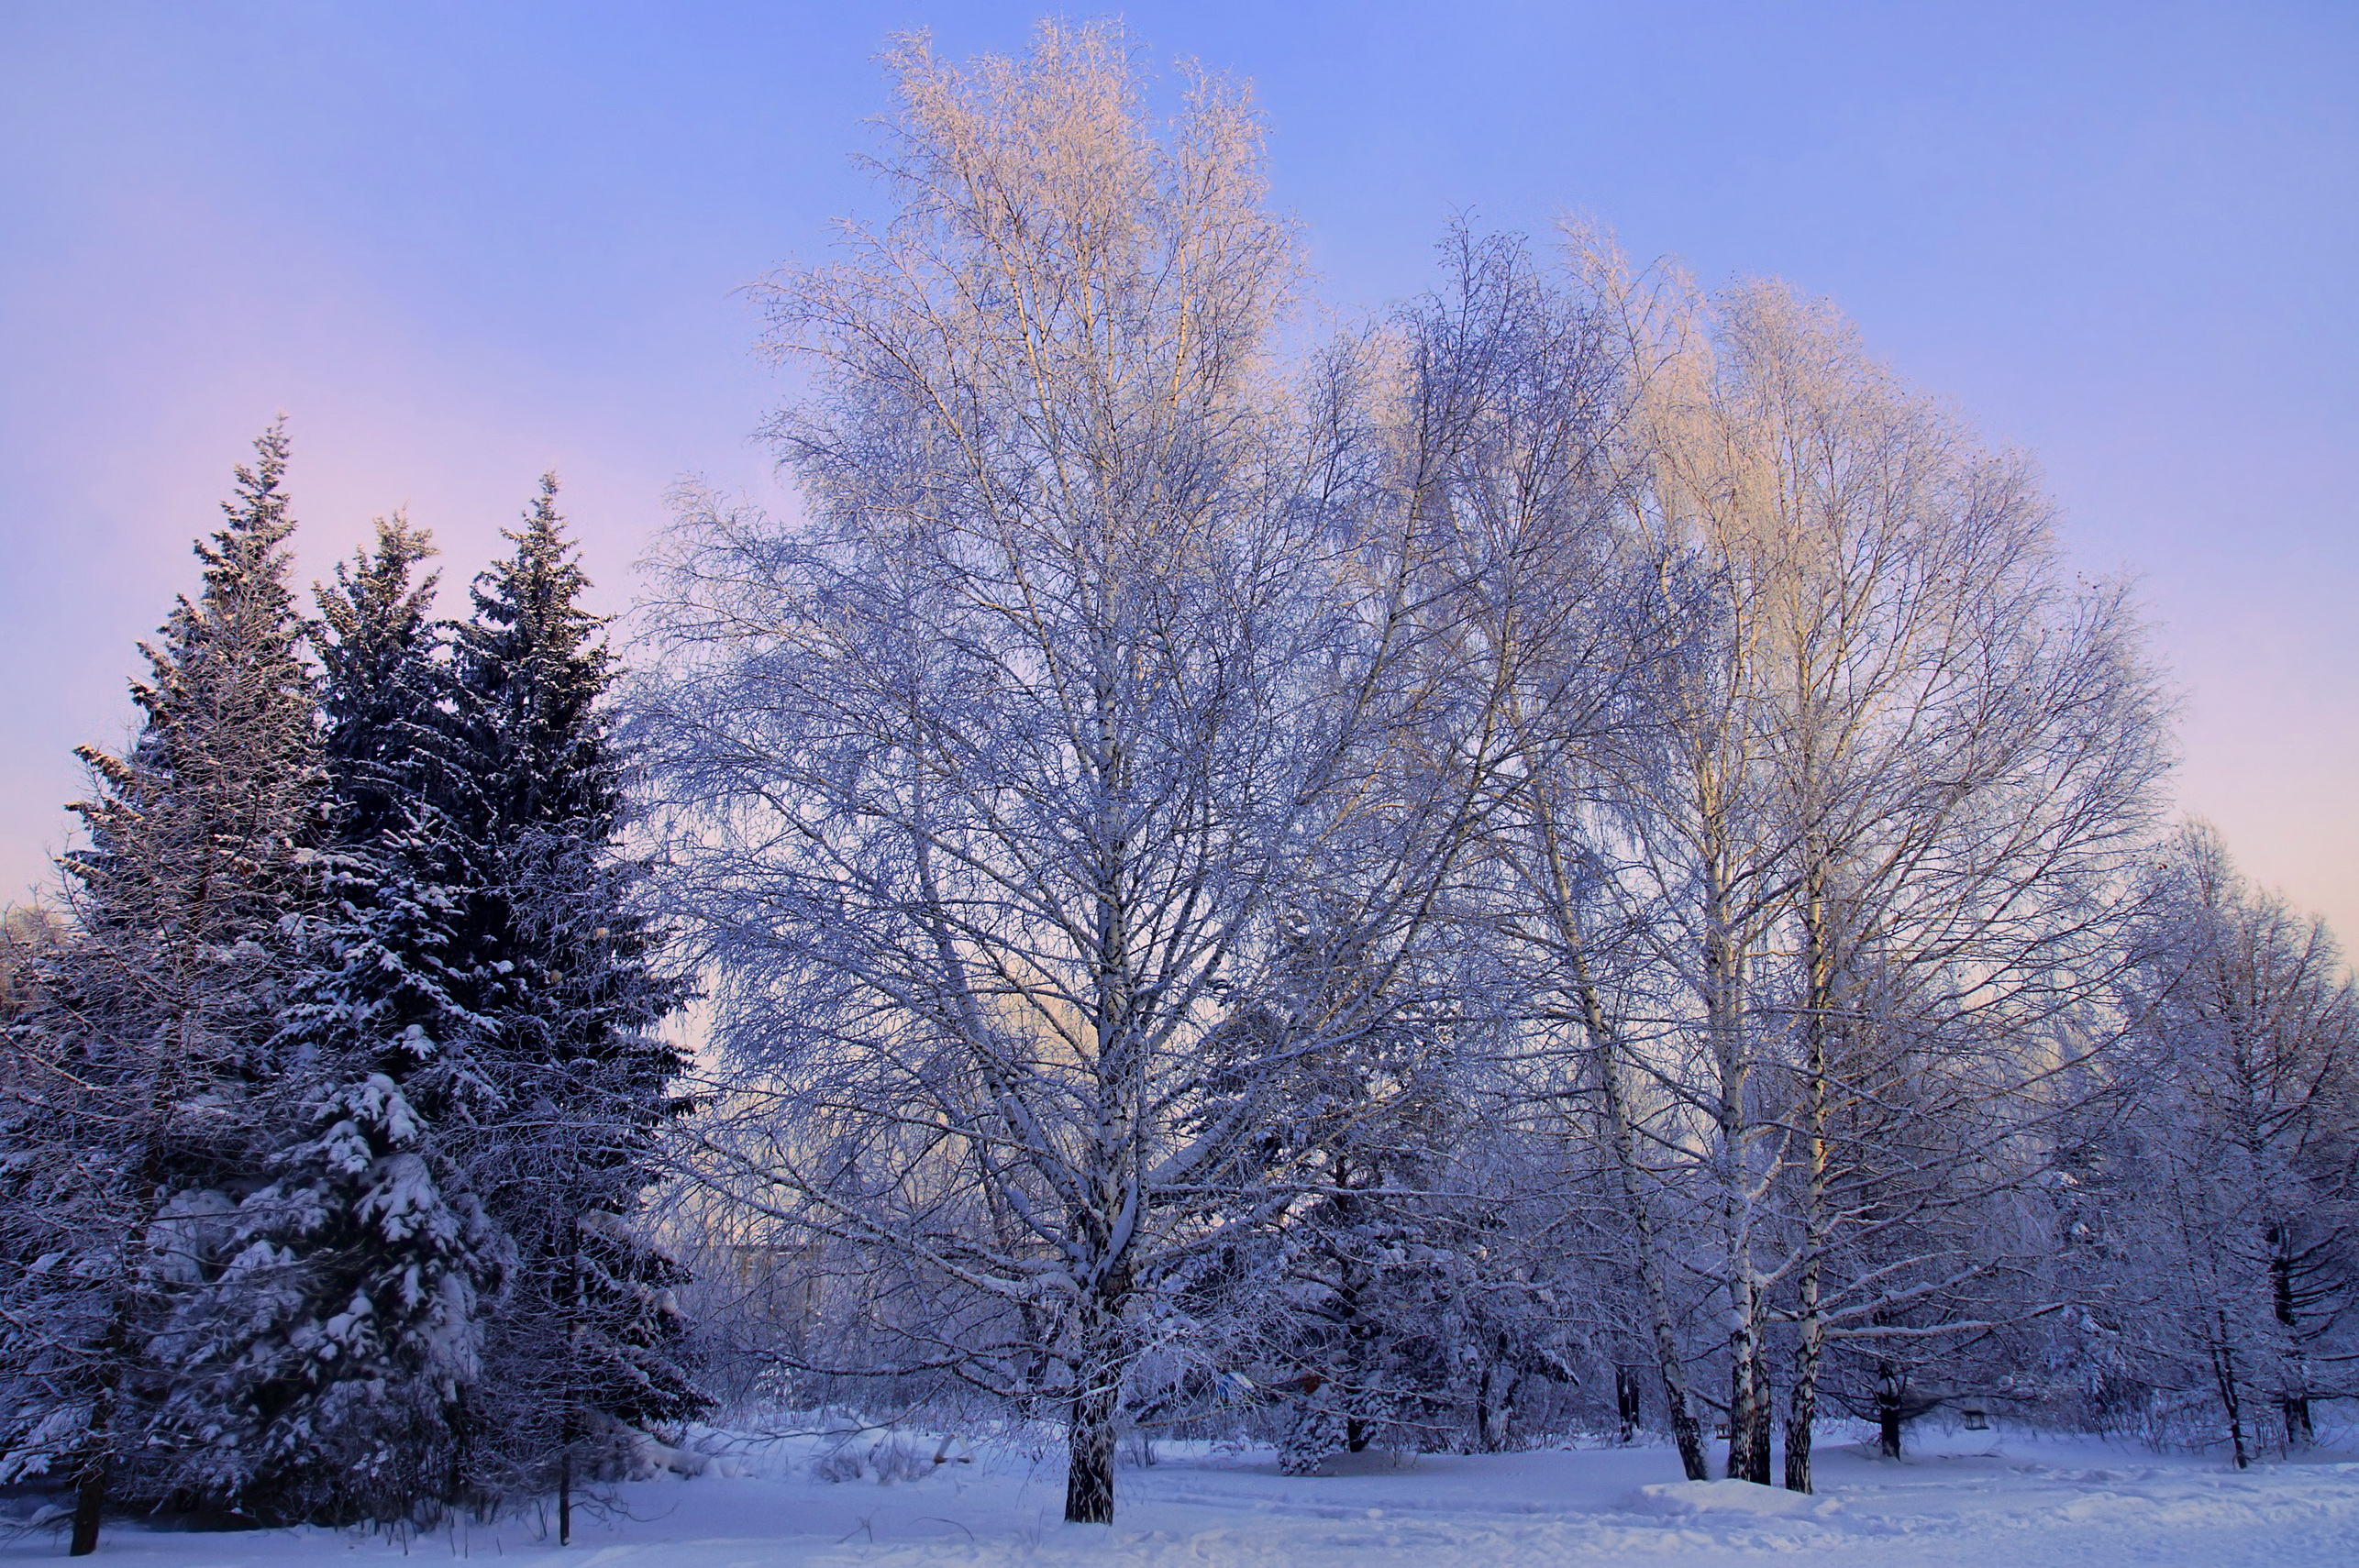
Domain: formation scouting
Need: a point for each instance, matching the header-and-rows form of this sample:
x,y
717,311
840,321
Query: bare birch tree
x,y
1855,863
1965,760
1053,730
2236,1262
1516,449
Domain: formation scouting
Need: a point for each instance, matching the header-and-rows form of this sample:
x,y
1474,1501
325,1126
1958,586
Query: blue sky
x,y
461,243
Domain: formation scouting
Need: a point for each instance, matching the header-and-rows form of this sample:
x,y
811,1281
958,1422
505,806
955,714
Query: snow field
x,y
1963,1502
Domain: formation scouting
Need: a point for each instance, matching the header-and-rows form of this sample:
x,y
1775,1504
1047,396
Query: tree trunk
x,y
462,1432
1803,1413
1799,1422
1627,1402
2299,1433
1090,1459
1723,979
1687,1433
89,1502
1110,1178
569,1419
1888,1409
1355,1283
90,1496
1739,1407
97,1471
2223,1368
1765,1422
1760,1418
1089,1439
1748,1402
1495,1400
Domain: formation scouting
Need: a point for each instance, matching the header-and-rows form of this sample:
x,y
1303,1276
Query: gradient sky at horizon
x,y
459,244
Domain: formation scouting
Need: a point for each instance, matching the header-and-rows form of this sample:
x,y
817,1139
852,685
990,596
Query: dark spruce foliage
x,y
370,1260
587,1339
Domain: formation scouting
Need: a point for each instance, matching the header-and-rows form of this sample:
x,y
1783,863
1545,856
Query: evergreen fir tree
x,y
588,1337
136,1091
1371,1307
371,1259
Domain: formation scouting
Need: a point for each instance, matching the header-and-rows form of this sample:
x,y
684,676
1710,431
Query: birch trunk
x,y
1089,1438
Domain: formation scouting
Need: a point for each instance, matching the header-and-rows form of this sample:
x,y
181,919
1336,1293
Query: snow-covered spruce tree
x,y
371,1260
1334,1317
587,1339
134,1087
1375,1307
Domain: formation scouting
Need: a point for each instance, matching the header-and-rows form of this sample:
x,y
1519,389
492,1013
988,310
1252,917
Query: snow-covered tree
x,y
995,778
1965,751
569,988
1339,1306
137,1086
369,1263
1805,896
2230,1191
28,935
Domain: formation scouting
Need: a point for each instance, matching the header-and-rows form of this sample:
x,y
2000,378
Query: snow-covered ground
x,y
1989,1500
